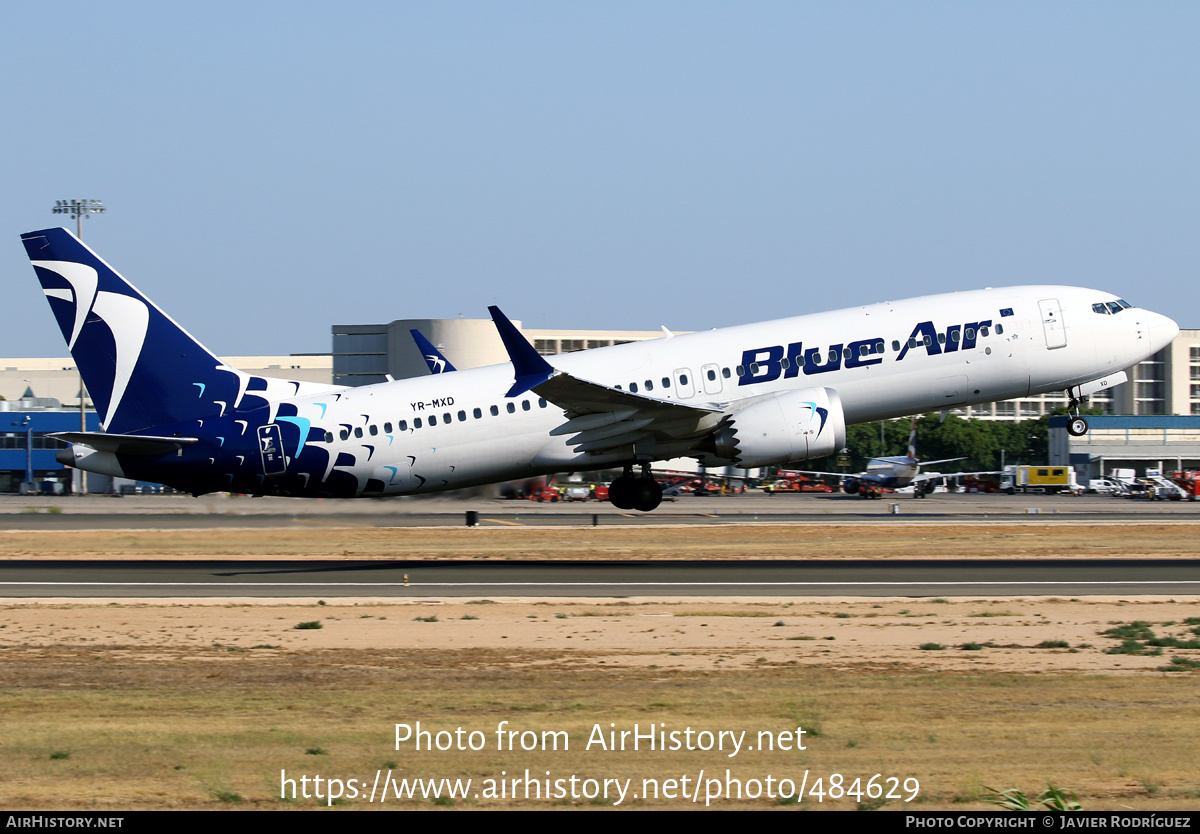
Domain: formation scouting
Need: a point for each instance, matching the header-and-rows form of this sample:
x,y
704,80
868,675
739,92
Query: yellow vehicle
x,y
1039,479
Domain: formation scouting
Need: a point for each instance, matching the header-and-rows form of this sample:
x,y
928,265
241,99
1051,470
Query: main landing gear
x,y
1077,426
630,493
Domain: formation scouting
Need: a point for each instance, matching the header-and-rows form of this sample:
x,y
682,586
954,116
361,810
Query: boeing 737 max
x,y
750,396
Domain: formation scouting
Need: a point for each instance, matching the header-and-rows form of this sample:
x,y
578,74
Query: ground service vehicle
x,y
1038,479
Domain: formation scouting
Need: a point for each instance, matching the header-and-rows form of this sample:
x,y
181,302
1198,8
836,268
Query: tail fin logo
x,y
126,317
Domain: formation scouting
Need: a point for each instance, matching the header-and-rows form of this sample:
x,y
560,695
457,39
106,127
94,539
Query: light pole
x,y
27,424
79,209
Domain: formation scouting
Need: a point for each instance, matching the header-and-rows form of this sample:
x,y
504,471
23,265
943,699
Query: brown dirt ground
x,y
93,676
897,540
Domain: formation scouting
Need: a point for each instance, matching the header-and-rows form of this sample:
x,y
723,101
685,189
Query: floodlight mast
x,y
80,209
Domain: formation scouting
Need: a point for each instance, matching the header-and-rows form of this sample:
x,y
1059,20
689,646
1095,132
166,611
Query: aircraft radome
x,y
750,396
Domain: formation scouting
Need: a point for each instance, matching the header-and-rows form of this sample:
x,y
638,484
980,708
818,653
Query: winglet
x,y
529,367
438,364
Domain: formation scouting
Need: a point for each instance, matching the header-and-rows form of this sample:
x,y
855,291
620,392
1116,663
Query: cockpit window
x,y
1124,304
1115,307
1100,308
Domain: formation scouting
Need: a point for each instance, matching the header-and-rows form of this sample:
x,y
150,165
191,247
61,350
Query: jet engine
x,y
790,425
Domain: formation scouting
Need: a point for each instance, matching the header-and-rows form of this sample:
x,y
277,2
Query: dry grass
x,y
149,705
189,730
899,539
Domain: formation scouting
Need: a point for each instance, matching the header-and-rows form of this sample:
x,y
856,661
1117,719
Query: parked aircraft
x,y
749,396
897,472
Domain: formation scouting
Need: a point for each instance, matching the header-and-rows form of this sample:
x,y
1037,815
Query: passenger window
x,y
970,333
954,335
344,434
541,402
462,416
402,425
784,363
683,379
999,329
649,385
495,410
895,345
328,437
741,371
941,338
511,408
633,387
477,413
879,347
928,341
833,355
416,422
374,429
358,431
754,367
524,405
446,418
912,342
433,419
666,380
847,353
387,428
725,373
862,350
983,331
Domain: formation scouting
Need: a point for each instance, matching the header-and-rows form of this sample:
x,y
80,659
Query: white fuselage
x,y
971,347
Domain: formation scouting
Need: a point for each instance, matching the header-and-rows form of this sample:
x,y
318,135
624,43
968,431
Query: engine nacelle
x,y
792,425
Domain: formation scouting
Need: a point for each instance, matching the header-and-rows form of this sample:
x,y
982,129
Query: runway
x,y
176,512
551,579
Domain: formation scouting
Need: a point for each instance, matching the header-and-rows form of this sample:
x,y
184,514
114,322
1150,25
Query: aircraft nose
x,y
1162,331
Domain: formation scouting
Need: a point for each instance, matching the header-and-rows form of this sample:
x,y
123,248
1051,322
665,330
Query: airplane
x,y
897,472
749,396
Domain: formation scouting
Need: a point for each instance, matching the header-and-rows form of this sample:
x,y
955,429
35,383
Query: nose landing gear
x,y
1077,426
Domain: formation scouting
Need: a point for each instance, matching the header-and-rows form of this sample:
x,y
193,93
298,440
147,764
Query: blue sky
x,y
272,169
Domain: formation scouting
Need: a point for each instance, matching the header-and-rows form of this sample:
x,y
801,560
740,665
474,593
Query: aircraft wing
x,y
599,416
944,460
929,476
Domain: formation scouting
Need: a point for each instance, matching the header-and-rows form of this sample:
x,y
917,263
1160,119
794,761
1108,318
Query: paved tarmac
x,y
179,512
481,579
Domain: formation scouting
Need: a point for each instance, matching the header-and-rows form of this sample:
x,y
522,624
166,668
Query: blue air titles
x,y
767,364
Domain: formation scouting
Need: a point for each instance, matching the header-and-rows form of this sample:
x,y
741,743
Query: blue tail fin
x,y
141,368
438,364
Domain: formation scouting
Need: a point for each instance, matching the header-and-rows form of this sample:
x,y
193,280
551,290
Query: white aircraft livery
x,y
749,396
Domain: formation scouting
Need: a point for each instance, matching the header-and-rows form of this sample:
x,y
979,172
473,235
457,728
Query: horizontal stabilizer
x,y
125,444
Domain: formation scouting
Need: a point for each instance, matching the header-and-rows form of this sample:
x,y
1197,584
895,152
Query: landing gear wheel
x,y
1077,426
622,492
647,494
